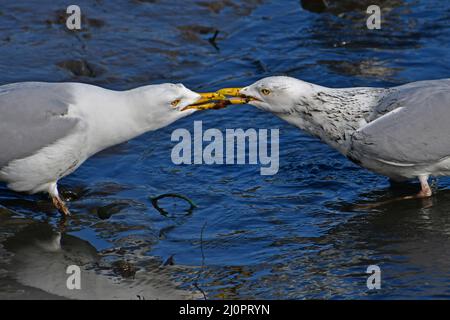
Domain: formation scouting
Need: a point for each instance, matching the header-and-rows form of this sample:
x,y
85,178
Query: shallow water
x,y
293,235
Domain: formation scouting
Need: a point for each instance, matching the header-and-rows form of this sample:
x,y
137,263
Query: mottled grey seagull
x,y
47,130
401,132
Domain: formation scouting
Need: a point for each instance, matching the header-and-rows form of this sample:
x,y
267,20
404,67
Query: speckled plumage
x,y
401,132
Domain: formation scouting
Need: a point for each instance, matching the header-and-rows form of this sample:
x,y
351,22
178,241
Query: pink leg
x,y
57,201
425,192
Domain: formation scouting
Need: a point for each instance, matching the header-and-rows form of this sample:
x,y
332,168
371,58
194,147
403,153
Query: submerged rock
x,y
124,268
80,68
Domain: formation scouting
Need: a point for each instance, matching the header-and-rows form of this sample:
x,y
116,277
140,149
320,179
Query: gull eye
x,y
174,103
265,92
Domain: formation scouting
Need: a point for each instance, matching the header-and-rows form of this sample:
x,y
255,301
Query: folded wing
x,y
33,115
410,126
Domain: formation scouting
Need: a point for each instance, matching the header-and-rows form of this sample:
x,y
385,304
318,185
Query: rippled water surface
x,y
296,234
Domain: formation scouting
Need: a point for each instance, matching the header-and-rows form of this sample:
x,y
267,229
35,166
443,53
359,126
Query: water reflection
x,y
408,240
37,256
365,68
341,27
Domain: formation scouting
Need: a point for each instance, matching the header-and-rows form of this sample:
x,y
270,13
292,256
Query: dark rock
x,y
80,68
124,268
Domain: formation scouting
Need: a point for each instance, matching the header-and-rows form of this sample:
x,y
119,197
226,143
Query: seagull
x,y
47,130
401,132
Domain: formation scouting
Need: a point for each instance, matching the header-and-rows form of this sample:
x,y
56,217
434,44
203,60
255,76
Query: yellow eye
x,y
265,92
174,103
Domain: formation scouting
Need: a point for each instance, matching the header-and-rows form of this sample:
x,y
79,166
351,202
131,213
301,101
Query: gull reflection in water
x,y
35,258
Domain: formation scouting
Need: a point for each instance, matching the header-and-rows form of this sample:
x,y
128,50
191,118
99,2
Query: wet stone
x,y
124,268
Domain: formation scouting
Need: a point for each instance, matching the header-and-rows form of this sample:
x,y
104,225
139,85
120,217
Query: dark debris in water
x,y
194,33
163,212
164,231
124,268
170,261
213,40
195,28
73,194
81,68
316,6
215,6
107,211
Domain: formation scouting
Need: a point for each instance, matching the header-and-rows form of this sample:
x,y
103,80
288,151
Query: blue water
x,y
293,235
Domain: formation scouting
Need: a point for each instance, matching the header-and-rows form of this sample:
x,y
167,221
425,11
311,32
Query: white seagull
x,y
47,130
401,132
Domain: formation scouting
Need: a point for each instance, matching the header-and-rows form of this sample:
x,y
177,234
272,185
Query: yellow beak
x,y
234,92
213,100
210,96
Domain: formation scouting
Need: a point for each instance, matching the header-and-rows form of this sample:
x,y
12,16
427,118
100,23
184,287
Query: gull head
x,y
161,104
173,98
176,98
277,94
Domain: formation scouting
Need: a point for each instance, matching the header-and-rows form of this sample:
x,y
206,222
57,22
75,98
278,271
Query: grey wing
x,y
402,96
416,131
32,117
